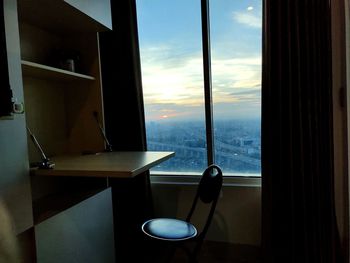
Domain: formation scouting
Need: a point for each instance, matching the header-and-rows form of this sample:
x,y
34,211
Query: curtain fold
x,y
121,80
298,211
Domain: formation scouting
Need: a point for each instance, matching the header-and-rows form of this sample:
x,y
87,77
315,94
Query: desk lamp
x,y
45,162
103,134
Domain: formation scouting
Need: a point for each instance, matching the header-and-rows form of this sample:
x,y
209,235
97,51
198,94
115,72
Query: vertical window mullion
x,y
207,81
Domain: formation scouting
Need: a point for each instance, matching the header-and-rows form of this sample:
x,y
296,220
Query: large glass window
x,y
235,28
170,38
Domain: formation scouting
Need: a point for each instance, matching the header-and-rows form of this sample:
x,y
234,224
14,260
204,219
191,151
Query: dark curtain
x,y
298,210
125,128
121,80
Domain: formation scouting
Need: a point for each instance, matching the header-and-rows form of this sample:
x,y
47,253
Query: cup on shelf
x,y
68,64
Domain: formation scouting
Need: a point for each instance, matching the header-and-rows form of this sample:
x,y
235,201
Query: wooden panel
x,y
39,45
14,172
83,233
84,134
46,117
59,103
47,48
113,164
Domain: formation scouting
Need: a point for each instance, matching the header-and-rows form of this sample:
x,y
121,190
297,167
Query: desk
x,y
106,164
76,174
131,192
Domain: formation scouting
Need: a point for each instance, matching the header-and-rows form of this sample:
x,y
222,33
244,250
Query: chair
x,y
176,232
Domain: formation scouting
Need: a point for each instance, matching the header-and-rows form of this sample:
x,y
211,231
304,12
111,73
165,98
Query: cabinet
x,y
62,88
67,245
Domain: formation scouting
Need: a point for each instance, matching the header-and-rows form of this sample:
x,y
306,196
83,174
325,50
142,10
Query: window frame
x,y
233,179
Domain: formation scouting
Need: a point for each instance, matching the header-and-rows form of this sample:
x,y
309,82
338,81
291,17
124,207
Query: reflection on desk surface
x,y
105,164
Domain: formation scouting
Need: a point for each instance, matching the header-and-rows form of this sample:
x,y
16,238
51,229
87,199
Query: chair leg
x,y
191,254
197,248
192,258
170,254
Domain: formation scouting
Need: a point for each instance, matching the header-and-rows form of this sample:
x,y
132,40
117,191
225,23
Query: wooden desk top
x,y
106,164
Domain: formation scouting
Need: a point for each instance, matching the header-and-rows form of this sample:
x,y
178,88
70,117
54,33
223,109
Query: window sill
x,y
193,179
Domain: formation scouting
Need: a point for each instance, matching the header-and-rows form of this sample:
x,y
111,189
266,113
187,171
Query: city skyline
x,y
237,146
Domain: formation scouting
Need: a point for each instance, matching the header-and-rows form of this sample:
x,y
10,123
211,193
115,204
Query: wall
x,y
238,215
14,170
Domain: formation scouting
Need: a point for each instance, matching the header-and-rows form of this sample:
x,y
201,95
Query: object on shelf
x,y
66,59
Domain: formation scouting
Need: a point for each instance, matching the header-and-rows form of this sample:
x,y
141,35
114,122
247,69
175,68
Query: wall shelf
x,y
32,69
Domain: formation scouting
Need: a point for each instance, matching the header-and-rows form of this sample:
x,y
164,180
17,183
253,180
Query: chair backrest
x,y
210,184
208,191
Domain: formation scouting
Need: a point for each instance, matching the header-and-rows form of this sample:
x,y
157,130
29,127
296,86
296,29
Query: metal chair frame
x,y
208,191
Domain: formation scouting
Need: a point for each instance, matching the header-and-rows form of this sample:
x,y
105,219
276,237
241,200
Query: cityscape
x,y
237,145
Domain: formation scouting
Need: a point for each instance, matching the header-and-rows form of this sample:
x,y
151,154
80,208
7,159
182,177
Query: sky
x,y
171,58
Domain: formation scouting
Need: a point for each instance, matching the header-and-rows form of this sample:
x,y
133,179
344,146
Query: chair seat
x,y
169,229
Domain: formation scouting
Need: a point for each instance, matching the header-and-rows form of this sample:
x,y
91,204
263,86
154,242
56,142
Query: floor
x,y
220,252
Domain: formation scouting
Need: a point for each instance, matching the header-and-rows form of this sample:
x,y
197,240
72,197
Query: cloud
x,y
155,111
237,110
173,81
237,72
249,19
252,92
168,77
233,75
250,96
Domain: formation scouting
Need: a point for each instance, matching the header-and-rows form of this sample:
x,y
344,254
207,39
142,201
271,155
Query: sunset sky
x,y
171,58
